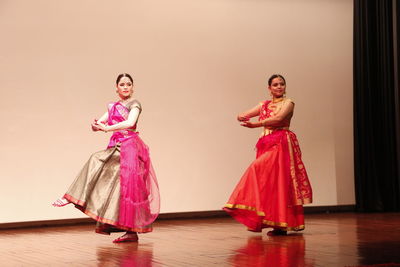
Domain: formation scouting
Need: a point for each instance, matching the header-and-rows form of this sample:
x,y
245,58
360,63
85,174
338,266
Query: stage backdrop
x,y
196,64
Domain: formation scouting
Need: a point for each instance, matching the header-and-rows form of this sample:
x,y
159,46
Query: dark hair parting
x,y
124,75
273,76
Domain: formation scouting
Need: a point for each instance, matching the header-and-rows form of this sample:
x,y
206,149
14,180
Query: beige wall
x,y
196,65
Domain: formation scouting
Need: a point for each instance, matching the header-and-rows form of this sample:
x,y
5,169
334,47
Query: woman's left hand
x,y
249,124
102,127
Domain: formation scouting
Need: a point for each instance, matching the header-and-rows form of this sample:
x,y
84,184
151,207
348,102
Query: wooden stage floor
x,y
336,239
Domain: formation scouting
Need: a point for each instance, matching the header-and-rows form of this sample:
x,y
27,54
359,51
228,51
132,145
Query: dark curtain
x,y
376,106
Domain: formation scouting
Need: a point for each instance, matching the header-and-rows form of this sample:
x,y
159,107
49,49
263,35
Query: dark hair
x,y
124,75
275,76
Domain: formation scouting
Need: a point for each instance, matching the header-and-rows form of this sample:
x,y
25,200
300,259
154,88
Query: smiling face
x,y
124,88
277,87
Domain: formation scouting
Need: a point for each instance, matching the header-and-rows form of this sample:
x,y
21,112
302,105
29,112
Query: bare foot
x,y
61,202
128,237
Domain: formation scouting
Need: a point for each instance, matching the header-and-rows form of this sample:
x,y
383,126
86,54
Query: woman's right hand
x,y
242,117
95,126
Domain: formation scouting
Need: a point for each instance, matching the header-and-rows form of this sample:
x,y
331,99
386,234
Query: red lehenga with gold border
x,y
275,186
117,187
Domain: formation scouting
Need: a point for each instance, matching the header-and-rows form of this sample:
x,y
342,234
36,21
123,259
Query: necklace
x,y
277,100
274,107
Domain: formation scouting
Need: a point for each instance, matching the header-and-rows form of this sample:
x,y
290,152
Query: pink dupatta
x,y
139,194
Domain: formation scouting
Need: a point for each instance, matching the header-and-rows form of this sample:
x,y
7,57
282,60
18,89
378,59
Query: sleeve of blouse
x,y
290,100
135,104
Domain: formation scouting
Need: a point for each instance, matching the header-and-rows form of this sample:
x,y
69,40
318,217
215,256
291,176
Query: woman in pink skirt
x,y
117,187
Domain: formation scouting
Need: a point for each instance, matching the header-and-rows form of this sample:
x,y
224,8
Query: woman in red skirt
x,y
275,186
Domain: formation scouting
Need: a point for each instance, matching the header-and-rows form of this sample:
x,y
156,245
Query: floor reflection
x,y
378,240
283,251
126,254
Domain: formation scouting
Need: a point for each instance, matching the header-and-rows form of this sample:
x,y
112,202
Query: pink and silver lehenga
x,y
272,191
117,187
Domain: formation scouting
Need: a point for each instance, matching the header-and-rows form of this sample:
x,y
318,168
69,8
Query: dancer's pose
x,y
117,187
275,186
